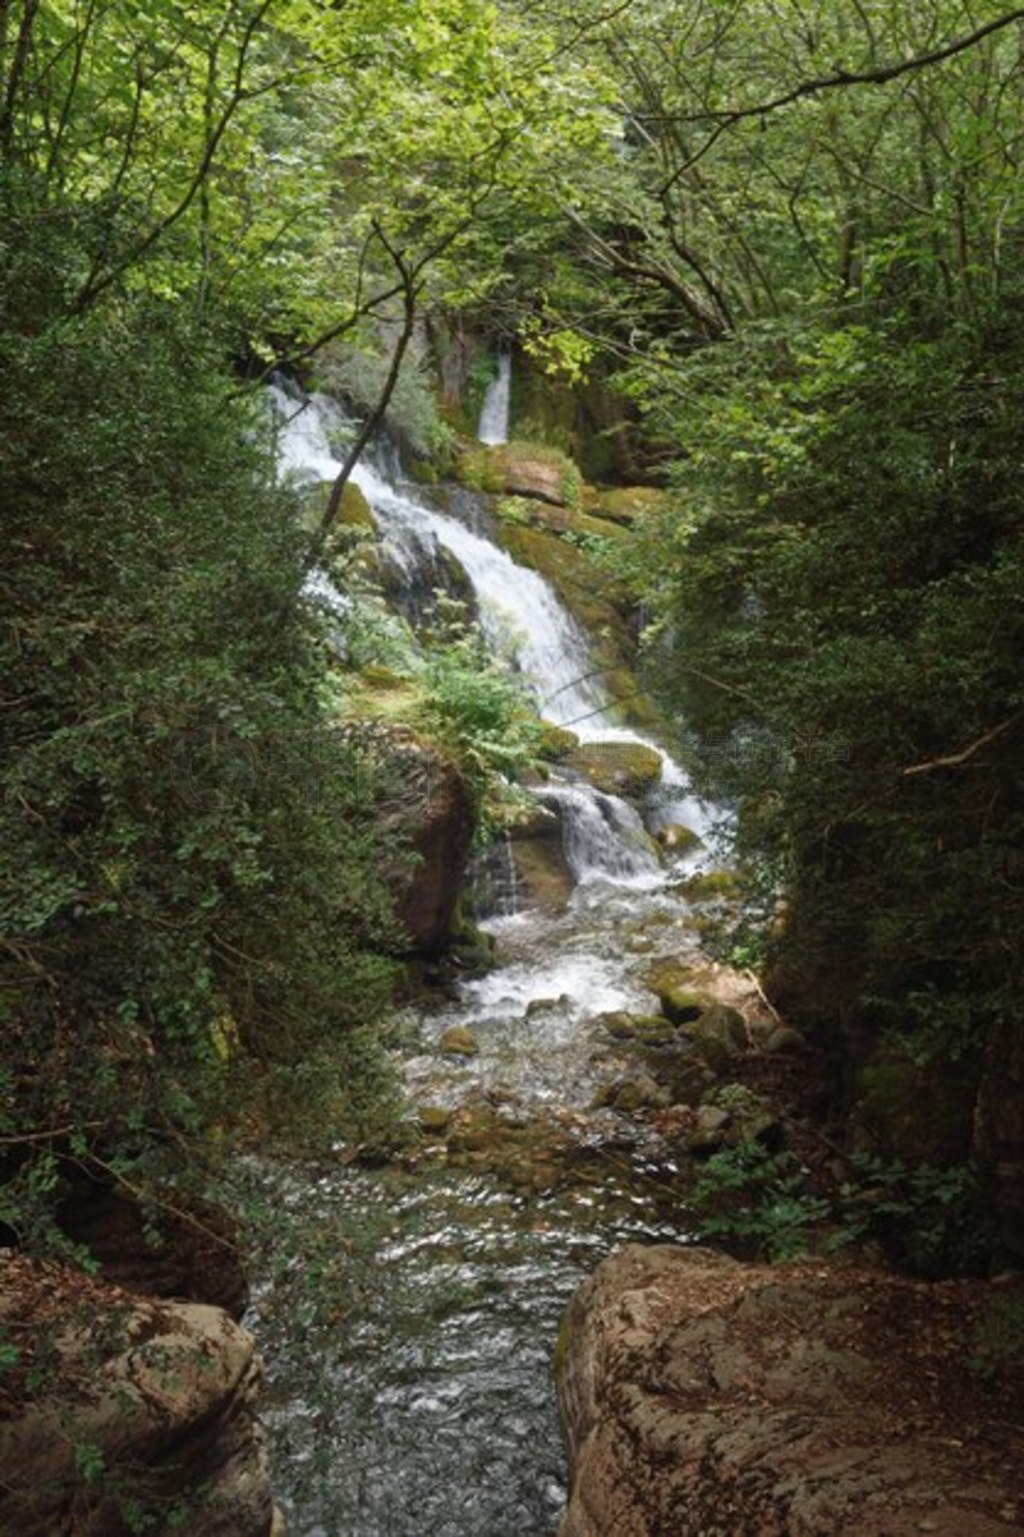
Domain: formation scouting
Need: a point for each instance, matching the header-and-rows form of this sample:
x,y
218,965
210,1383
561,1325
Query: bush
x,y
189,862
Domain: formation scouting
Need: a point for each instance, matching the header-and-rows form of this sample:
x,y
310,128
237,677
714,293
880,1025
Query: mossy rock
x,y
636,1091
533,470
720,1034
645,1029
751,1117
584,526
434,1120
624,504
556,742
677,839
683,992
711,886
457,1041
617,768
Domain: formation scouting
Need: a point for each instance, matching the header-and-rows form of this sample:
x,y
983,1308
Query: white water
x,y
493,427
525,623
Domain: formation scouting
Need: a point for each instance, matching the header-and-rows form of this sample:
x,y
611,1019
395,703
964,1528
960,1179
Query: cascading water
x,y
522,620
423,1401
494,413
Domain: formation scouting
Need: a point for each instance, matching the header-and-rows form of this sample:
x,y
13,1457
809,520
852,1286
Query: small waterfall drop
x,y
494,413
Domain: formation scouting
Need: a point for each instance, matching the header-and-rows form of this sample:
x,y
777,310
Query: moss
x,y
523,469
677,839
617,768
683,992
625,504
556,742
711,886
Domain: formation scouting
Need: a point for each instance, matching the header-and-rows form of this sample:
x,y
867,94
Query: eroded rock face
x,y
431,806
705,1398
119,1404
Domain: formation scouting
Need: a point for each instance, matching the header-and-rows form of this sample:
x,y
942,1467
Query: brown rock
x,y
117,1398
704,1396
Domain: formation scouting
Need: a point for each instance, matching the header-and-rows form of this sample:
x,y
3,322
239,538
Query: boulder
x,y
677,839
684,992
719,1034
458,1041
617,768
701,1395
120,1409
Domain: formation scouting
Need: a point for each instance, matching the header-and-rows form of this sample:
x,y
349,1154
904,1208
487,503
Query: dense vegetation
x,y
787,238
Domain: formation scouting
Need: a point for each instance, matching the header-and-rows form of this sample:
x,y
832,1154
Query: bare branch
x,y
954,760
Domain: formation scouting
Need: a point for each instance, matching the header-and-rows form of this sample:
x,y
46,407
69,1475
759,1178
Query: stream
x,y
410,1344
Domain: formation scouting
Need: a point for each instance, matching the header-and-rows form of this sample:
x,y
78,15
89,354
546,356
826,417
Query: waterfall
x,y
603,837
524,622
493,426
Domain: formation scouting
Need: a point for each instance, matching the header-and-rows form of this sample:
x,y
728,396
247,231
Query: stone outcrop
x,y
430,808
702,1396
116,1409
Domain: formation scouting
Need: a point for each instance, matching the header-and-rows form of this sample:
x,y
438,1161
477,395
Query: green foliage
x,y
190,869
477,708
759,1200
931,1221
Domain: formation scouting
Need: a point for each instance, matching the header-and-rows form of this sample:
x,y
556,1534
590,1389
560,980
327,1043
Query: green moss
x,y
617,768
624,504
556,742
712,886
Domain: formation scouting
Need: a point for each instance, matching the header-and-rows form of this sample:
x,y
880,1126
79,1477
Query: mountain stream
x,y
421,1400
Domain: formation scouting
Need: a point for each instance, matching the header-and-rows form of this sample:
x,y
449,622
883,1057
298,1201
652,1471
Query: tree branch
x,y
954,760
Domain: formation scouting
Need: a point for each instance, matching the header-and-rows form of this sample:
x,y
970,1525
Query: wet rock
x,y
710,886
617,768
458,1041
647,1029
134,1400
677,839
700,1395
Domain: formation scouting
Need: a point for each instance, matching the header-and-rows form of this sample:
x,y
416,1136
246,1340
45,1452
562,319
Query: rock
x,y
434,1120
703,1396
683,992
748,1116
431,806
782,1038
556,742
710,886
457,1041
720,1034
647,1029
677,839
636,1091
616,768
709,1129
532,470
117,1398
625,504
